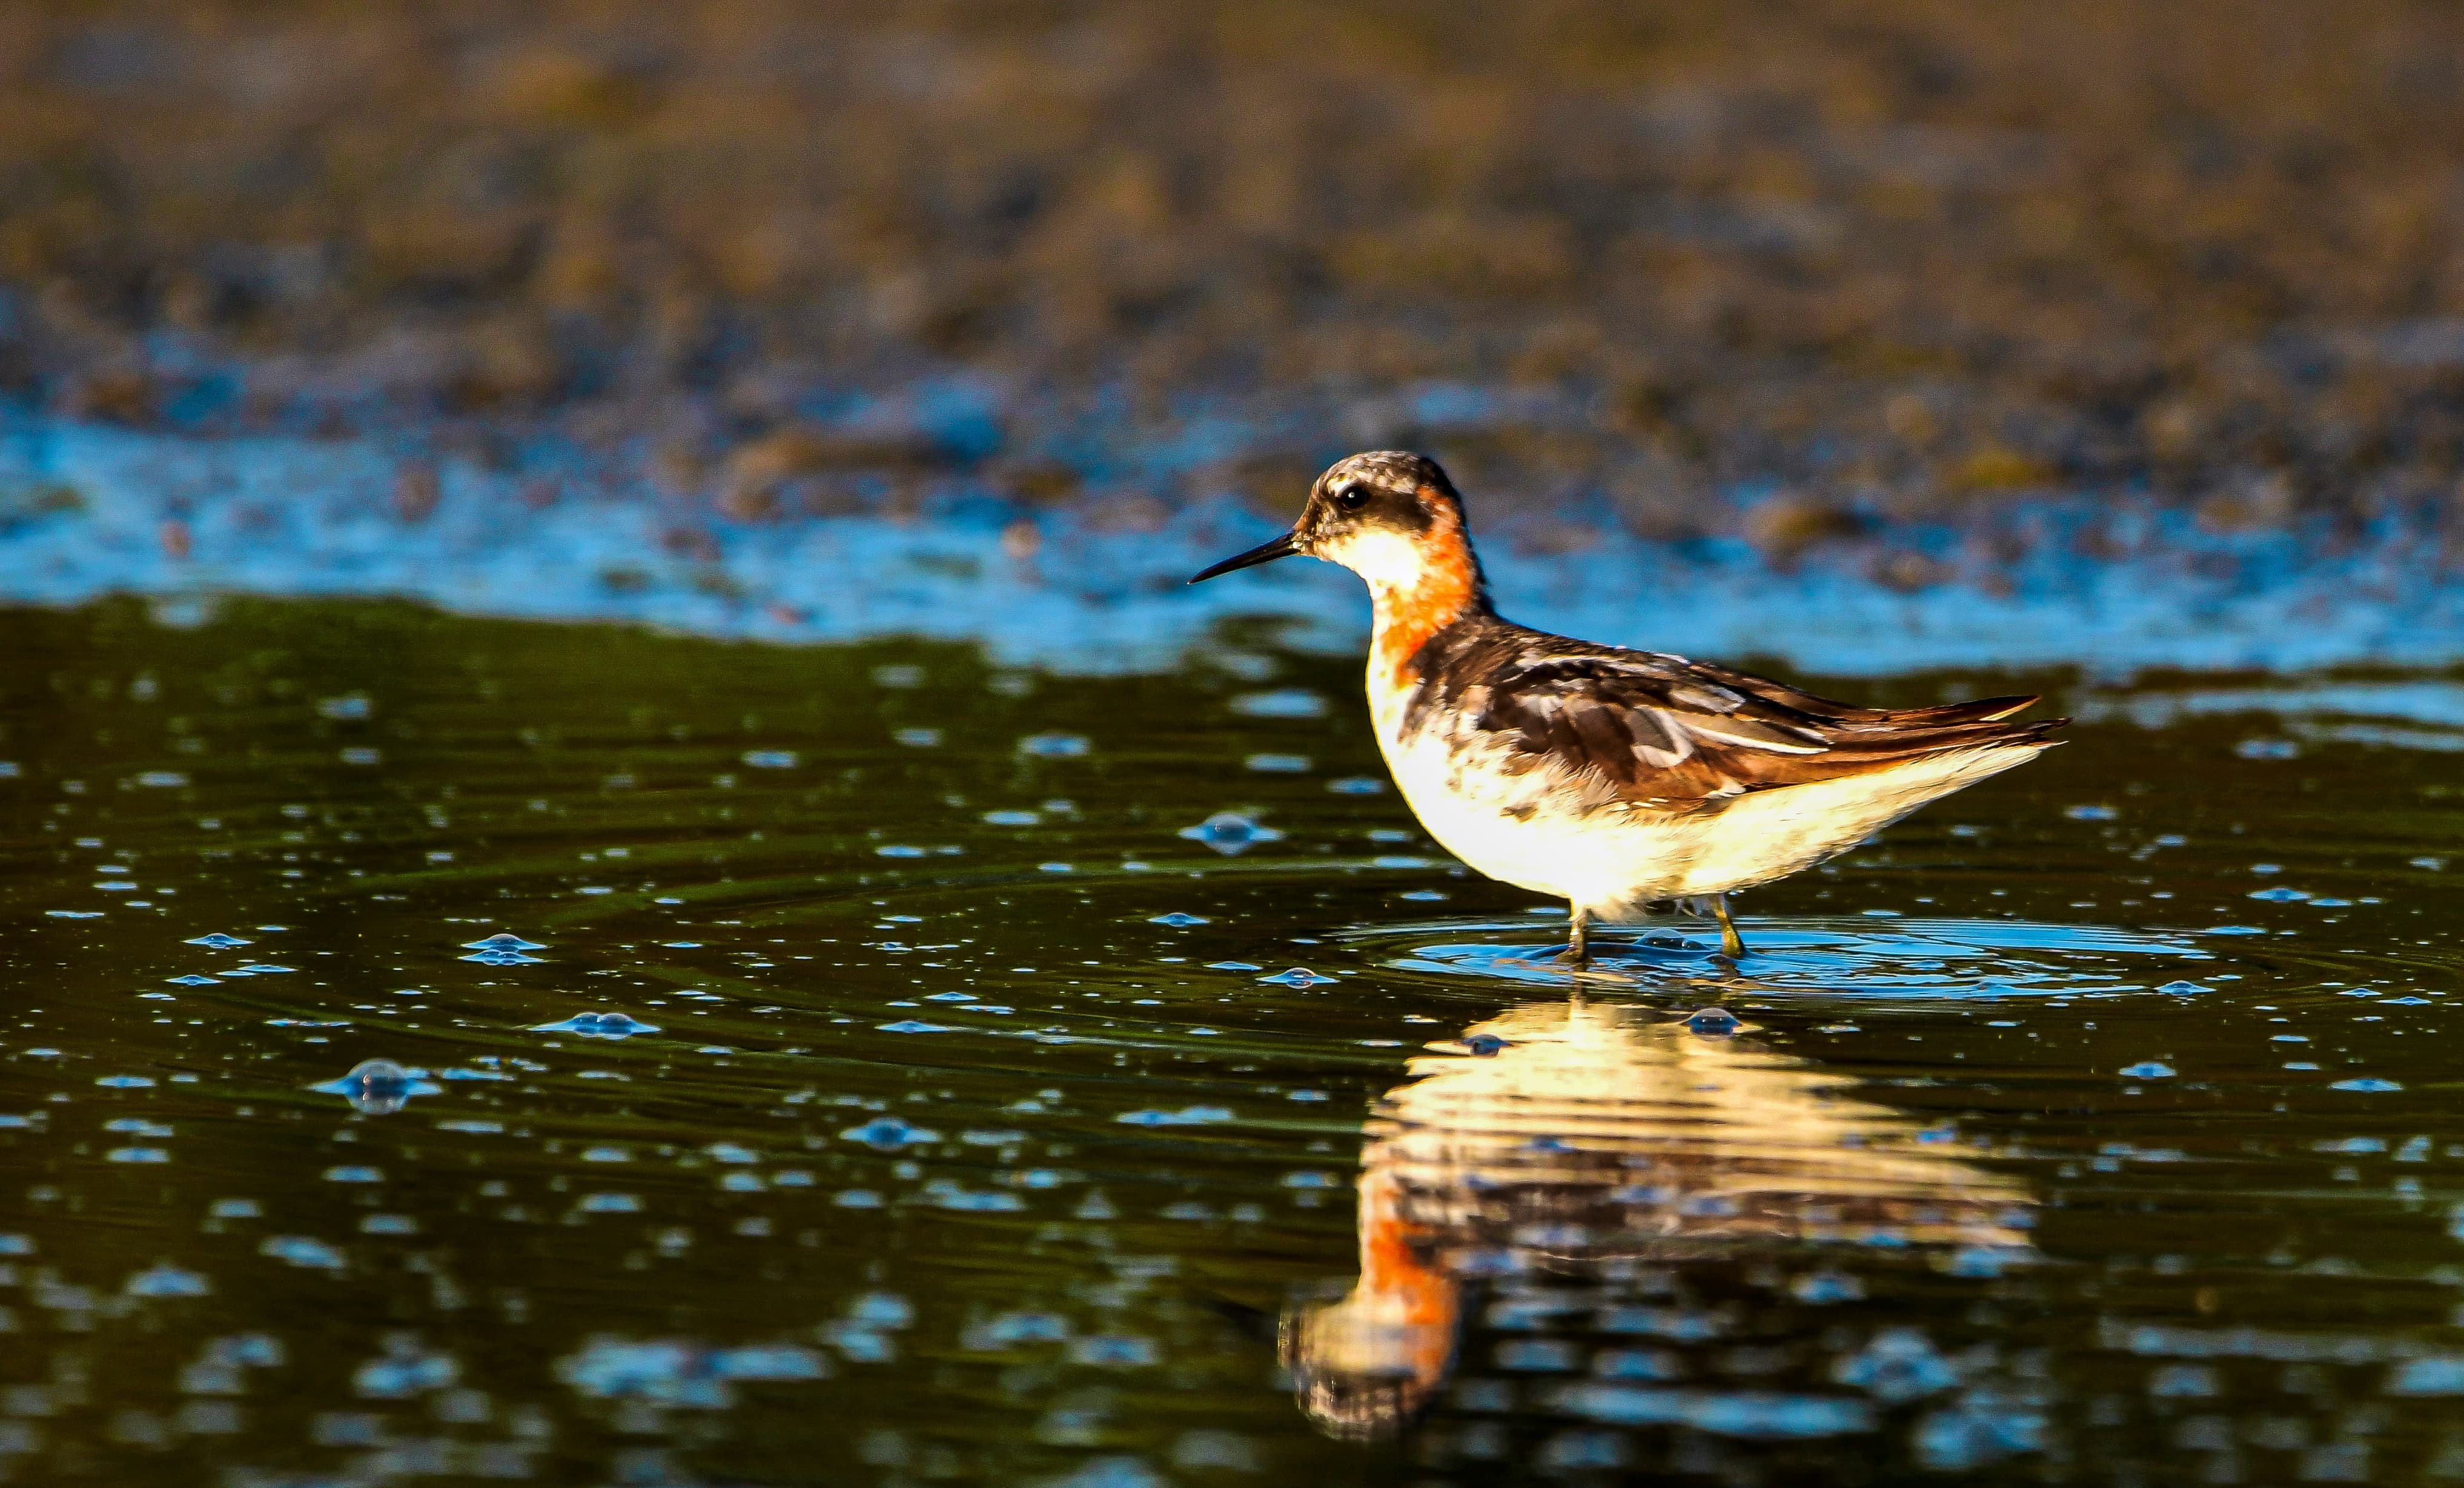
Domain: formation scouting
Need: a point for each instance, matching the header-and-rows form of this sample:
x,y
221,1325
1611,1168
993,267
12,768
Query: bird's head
x,y
1389,517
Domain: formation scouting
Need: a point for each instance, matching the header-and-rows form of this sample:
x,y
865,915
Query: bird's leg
x,y
1578,948
1732,945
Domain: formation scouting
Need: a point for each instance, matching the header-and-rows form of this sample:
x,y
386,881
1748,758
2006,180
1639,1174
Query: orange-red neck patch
x,y
1446,585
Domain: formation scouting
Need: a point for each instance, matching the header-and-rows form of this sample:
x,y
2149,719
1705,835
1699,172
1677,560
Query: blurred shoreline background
x,y
1909,296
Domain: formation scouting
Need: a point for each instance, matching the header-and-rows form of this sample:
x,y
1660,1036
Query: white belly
x,y
1613,858
1596,858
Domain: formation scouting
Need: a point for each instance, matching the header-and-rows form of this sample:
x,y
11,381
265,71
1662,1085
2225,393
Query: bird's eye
x,y
1352,498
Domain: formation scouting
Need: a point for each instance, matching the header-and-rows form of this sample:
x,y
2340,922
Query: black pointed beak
x,y
1263,553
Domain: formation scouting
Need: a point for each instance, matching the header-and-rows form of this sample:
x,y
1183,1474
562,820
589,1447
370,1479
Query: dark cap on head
x,y
1399,471
1380,489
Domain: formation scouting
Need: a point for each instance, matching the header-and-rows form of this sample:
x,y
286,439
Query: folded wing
x,y
1616,724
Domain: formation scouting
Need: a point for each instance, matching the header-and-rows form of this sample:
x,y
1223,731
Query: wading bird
x,y
1609,778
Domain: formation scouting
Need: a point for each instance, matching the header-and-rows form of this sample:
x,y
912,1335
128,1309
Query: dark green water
x,y
974,1138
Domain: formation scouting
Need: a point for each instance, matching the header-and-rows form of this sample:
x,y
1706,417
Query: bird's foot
x,y
1578,948
1732,945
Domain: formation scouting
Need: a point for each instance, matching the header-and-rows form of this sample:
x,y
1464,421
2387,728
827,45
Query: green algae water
x,y
440,1050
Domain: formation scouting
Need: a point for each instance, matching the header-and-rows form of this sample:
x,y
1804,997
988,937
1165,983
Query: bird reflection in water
x,y
1651,1222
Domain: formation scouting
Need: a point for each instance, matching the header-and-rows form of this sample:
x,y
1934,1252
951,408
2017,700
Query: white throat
x,y
1388,562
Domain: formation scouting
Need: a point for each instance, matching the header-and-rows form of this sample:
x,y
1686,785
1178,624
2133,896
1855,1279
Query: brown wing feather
x,y
1641,726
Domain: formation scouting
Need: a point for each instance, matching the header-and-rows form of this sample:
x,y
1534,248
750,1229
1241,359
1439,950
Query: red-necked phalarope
x,y
1605,777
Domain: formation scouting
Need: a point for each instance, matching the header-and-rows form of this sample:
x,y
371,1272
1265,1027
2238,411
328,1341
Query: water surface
x,y
871,1063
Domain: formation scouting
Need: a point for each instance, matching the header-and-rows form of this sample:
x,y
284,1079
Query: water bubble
x,y
943,1194
2435,1375
1231,965
915,1026
1487,1045
404,1369
125,1081
671,1374
919,738
2279,894
1012,818
1297,976
2145,1068
1186,1115
1117,1352
1357,784
353,1172
1230,834
301,1251
1981,1428
773,1361
888,1134
1177,920
1278,764
609,1204
165,1280
1824,1287
2367,1084
501,950
1054,746
2185,989
192,978
379,1087
137,1155
161,779
598,1024
1713,1022
2091,812
1012,1328
1284,703
218,940
1895,1365
2268,749
348,707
